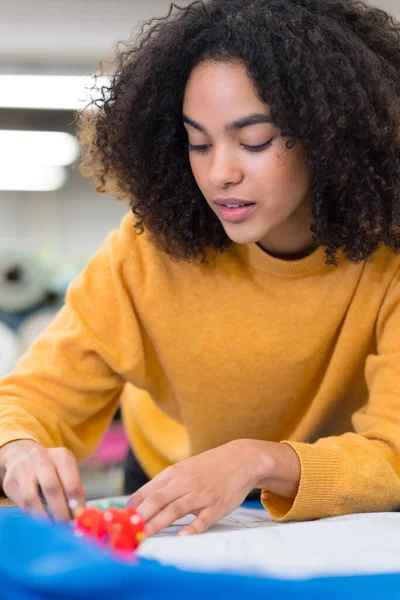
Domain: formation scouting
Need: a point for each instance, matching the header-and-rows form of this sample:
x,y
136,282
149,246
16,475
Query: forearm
x,y
277,468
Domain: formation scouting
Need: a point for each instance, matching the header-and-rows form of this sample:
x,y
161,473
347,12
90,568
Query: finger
x,y
21,487
50,484
205,519
148,489
53,493
171,513
139,496
68,473
164,496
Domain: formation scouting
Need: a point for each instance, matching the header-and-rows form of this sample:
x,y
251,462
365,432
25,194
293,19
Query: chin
x,y
243,237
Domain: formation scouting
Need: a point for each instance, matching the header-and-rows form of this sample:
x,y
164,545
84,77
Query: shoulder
x,y
128,245
142,257
382,277
385,264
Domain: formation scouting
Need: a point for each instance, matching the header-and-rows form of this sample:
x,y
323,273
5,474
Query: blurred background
x,y
51,218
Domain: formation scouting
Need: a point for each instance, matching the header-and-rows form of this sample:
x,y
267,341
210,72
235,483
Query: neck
x,y
303,253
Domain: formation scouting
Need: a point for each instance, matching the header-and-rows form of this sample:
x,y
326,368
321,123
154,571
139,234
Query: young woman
x,y
247,314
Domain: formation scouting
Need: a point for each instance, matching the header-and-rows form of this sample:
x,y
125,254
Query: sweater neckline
x,y
312,264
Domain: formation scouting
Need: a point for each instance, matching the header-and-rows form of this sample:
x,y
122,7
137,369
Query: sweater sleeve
x,y
65,389
358,471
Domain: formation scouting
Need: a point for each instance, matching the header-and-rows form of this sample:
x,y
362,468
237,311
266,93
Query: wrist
x,y
277,468
258,461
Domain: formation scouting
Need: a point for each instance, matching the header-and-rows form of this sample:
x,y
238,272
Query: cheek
x,y
280,172
299,174
268,173
198,172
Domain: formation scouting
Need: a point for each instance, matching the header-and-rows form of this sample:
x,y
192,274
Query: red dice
x,y
120,529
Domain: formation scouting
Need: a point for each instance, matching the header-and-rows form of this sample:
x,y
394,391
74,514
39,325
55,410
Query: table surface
x,y
40,562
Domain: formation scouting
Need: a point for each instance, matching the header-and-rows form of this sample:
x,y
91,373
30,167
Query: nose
x,y
225,168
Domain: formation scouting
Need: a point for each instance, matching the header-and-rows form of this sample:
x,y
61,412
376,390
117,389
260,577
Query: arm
x,y
280,468
65,389
357,471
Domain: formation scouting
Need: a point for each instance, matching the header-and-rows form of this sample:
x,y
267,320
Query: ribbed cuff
x,y
320,489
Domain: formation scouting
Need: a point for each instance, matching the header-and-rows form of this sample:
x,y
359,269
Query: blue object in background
x,y
41,561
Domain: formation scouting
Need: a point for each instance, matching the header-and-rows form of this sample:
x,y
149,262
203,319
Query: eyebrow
x,y
253,119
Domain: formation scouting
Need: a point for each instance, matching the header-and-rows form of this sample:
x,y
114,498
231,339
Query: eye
x,y
259,148
202,148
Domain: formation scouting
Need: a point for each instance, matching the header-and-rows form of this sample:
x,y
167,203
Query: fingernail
x,y
130,503
184,532
73,504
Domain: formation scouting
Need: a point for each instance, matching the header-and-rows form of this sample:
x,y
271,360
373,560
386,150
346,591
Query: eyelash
x,y
202,149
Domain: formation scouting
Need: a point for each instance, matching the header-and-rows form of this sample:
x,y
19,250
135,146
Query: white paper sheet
x,y
249,541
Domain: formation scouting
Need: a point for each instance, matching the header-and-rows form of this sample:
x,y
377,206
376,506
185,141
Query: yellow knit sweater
x,y
247,346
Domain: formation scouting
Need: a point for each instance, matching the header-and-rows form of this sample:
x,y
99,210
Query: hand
x,y
25,465
209,485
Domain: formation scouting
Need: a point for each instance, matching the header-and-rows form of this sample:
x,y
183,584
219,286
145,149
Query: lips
x,y
235,215
232,201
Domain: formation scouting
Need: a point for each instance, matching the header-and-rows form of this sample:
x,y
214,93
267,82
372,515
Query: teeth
x,y
233,205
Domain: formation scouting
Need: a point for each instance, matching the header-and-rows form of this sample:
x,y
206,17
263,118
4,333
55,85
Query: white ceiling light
x,y
52,92
32,178
52,148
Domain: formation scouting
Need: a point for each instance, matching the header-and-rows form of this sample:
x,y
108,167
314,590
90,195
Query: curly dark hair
x,y
329,70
